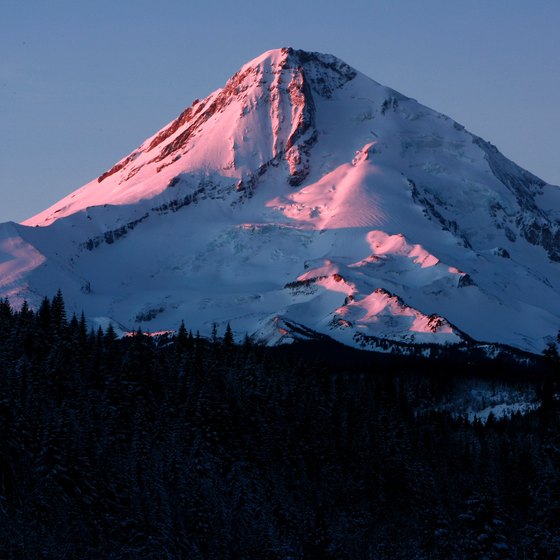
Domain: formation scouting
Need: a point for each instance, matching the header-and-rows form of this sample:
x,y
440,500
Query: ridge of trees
x,y
206,449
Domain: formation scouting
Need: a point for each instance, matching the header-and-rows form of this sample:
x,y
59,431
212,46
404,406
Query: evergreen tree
x,y
6,312
182,339
110,334
228,337
45,315
58,312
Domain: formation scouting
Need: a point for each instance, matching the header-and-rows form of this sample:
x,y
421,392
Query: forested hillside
x,y
181,447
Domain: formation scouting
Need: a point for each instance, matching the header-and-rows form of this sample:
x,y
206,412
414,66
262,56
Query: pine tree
x,y
228,337
182,339
25,310
73,325
110,334
83,327
6,312
44,314
58,312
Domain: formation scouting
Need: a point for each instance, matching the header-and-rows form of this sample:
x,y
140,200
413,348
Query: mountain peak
x,y
272,95
325,71
272,57
304,193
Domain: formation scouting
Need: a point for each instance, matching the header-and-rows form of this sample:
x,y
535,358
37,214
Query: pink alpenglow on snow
x,y
303,197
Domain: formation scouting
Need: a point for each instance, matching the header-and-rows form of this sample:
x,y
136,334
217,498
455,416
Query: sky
x,y
84,83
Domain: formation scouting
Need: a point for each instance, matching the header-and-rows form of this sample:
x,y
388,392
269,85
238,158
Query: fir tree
x,y
228,337
182,339
58,312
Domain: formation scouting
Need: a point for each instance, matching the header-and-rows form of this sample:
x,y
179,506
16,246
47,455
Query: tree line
x,y
182,447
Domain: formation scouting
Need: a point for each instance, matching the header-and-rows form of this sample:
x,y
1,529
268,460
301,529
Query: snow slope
x,y
304,193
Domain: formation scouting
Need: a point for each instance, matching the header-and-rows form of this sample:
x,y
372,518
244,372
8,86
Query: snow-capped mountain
x,y
304,196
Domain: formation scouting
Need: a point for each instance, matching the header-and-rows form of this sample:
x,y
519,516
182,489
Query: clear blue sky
x,y
82,83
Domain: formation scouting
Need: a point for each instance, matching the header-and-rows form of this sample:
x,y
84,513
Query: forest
x,y
178,446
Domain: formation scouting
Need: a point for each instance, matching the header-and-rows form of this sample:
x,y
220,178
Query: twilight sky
x,y
84,83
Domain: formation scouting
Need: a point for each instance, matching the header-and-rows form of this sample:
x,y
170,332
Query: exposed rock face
x,y
537,225
544,233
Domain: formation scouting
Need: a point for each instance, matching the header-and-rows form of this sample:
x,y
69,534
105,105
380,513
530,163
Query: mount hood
x,y
302,198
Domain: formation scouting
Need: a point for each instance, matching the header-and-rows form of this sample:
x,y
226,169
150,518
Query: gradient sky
x,y
84,83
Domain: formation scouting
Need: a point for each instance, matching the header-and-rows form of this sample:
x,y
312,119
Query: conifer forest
x,y
178,446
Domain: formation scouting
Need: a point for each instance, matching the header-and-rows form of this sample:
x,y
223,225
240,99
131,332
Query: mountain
x,y
303,197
